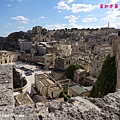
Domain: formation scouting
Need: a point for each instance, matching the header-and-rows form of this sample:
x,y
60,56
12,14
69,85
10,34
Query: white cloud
x,y
86,26
20,18
90,15
59,11
34,20
8,5
72,19
82,8
5,34
8,24
24,22
113,17
118,16
79,26
75,8
118,9
68,1
20,27
18,0
56,26
62,6
42,17
114,1
89,19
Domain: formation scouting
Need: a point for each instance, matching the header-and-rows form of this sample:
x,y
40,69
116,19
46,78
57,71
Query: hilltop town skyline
x,y
22,15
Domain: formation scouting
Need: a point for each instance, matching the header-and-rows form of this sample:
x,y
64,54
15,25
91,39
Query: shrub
x,y
63,95
70,70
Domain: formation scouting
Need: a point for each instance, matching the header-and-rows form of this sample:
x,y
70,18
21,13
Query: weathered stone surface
x,y
79,108
115,51
25,112
6,92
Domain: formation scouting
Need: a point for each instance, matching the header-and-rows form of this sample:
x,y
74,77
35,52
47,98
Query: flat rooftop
x,y
23,99
45,79
79,90
55,88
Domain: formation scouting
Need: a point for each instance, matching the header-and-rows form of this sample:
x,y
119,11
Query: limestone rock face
x,y
115,51
78,108
37,30
40,34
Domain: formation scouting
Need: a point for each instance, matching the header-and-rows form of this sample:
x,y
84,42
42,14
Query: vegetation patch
x,y
70,70
63,95
65,89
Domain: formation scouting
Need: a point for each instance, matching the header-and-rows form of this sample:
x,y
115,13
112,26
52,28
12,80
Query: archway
x,y
5,61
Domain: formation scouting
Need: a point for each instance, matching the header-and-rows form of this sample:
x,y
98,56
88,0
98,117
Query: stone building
x,y
8,57
62,63
76,91
25,46
47,86
96,66
64,50
57,75
31,59
48,61
88,81
79,75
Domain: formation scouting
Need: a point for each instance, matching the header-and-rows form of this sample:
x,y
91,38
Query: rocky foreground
x,y
78,108
107,108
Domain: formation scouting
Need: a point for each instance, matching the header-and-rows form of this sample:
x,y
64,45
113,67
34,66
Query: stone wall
x,y
57,75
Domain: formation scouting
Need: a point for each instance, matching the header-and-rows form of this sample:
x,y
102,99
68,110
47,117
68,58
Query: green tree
x,y
70,70
15,36
63,95
106,81
65,89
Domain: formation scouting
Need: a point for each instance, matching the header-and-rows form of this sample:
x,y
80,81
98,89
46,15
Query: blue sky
x,y
22,15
